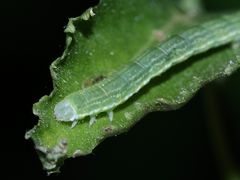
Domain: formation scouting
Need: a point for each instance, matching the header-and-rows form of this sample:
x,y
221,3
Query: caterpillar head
x,y
64,111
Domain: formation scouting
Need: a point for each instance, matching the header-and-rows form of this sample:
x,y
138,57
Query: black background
x,y
164,145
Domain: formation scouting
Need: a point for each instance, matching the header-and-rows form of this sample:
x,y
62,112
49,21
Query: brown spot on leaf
x,y
109,130
159,35
93,81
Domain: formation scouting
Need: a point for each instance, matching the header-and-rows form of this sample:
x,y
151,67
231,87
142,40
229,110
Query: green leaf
x,y
102,41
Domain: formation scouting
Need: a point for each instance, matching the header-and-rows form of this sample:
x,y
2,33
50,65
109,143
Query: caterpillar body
x,y
115,90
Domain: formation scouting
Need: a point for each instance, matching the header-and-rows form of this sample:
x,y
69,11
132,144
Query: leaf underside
x,y
100,45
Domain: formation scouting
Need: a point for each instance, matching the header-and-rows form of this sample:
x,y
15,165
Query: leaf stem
x,y
219,140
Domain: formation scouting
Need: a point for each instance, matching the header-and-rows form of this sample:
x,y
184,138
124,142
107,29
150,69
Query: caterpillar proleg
x,y
109,93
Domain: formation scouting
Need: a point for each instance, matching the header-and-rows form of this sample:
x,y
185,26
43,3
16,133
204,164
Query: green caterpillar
x,y
111,92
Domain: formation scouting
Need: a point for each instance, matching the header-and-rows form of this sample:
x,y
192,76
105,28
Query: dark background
x,y
163,145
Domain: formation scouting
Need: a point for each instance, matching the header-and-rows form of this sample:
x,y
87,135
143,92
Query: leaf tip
x,y
52,158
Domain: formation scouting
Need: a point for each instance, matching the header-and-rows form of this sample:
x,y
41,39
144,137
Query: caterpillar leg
x,y
74,123
92,120
110,115
236,48
236,45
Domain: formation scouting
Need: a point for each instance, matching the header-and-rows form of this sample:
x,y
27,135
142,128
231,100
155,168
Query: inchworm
x,y
113,91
